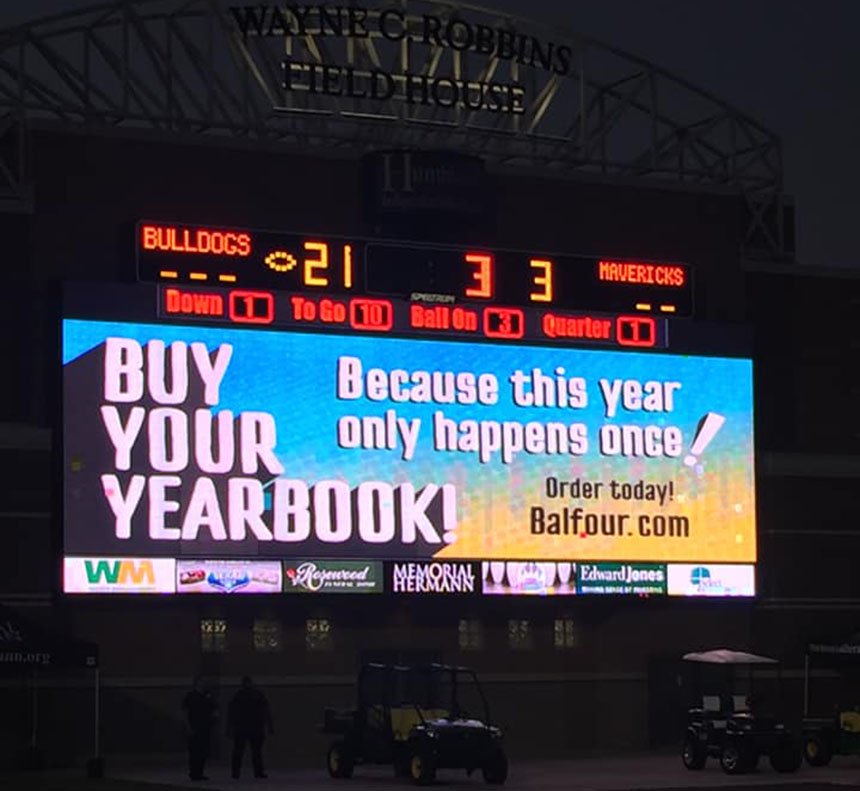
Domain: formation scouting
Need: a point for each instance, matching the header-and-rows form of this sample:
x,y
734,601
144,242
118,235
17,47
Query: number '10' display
x,y
330,264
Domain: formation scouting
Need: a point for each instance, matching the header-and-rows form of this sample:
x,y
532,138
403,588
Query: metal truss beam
x,y
185,66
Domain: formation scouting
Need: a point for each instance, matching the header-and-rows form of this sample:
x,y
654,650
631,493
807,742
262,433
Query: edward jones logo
x,y
119,575
697,579
621,578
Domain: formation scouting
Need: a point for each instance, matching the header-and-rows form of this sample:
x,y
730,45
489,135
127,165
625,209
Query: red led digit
x,y
312,265
636,331
252,307
483,275
347,266
543,280
503,323
371,314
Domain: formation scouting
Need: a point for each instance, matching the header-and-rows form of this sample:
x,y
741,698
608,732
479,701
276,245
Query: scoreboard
x,y
280,412
383,286
326,265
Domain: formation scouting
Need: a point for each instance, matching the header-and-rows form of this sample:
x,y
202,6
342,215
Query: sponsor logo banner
x,y
530,578
700,579
228,576
333,576
119,575
433,578
621,578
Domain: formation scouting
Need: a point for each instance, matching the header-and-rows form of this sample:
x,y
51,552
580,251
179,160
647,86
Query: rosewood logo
x,y
329,576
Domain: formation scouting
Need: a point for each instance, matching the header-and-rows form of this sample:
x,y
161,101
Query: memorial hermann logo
x,y
433,578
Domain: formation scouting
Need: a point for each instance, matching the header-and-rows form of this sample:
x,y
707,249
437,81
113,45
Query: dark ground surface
x,y
64,781
654,772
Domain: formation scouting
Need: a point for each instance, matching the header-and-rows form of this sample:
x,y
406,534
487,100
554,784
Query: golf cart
x,y
834,729
417,719
728,721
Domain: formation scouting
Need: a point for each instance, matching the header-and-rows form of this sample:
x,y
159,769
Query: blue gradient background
x,y
293,376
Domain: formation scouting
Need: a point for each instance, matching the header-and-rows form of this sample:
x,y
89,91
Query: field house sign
x,y
359,75
380,59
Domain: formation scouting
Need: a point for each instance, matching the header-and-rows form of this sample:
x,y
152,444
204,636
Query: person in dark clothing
x,y
248,721
200,712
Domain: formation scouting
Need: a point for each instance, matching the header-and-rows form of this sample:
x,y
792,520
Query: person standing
x,y
200,712
248,721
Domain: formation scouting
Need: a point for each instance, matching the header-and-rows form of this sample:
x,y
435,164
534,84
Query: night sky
x,y
792,65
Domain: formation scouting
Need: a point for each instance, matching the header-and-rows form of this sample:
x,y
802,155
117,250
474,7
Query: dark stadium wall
x,y
89,192
149,659
808,429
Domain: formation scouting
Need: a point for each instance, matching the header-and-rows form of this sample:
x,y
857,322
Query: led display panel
x,y
119,575
228,576
528,579
225,443
181,254
333,576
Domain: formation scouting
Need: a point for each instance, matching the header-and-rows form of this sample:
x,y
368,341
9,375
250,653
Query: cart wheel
x,y
495,767
786,757
422,766
693,753
736,758
816,750
341,761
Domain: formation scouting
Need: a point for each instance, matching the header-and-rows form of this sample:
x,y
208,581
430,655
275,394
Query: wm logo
x,y
120,572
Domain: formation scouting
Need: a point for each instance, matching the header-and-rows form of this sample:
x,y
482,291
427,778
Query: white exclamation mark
x,y
708,426
449,513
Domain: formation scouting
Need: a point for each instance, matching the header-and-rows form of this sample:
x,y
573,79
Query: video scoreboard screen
x,y
231,436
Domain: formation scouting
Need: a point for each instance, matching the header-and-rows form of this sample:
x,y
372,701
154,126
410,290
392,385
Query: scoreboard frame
x,y
328,264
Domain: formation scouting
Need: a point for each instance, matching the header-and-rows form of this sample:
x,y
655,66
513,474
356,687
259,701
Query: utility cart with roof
x,y
418,720
831,722
732,720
